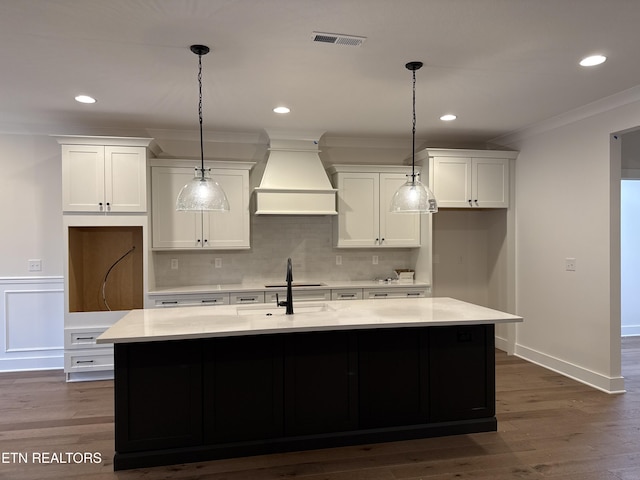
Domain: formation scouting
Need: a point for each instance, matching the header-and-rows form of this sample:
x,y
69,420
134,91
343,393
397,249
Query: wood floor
x,y
550,427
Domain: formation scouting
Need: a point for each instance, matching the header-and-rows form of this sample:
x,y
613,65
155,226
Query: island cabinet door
x,y
393,377
242,388
461,372
320,378
158,392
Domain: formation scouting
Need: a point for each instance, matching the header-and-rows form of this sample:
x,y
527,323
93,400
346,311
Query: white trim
x,y
605,104
630,330
575,372
31,280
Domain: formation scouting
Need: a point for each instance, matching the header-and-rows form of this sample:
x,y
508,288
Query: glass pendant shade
x,y
414,197
202,193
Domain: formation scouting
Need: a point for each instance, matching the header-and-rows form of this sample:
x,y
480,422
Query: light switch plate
x,y
570,264
34,265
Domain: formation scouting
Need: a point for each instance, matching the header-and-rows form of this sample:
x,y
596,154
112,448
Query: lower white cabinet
x,y
298,295
347,294
396,292
196,230
83,356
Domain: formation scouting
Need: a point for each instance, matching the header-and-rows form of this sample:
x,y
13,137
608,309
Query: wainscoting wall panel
x,y
32,323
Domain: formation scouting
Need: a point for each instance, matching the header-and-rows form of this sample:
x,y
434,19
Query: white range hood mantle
x,y
294,180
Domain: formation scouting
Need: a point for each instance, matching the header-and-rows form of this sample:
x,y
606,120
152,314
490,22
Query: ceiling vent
x,y
338,39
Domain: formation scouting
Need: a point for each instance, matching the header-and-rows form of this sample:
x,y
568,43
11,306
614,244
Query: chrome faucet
x,y
289,302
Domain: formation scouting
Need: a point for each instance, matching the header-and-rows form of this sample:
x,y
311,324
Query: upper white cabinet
x,y
104,174
194,230
471,178
364,199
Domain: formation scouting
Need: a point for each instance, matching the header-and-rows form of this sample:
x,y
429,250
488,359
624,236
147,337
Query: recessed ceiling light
x,y
448,117
593,60
85,99
281,110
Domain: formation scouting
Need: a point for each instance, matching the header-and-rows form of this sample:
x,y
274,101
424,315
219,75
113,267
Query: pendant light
x,y
414,196
202,192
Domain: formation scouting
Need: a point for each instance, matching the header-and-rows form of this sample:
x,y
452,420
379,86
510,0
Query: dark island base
x,y
124,461
206,399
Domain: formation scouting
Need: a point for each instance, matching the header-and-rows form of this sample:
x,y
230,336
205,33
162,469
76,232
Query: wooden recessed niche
x,y
93,257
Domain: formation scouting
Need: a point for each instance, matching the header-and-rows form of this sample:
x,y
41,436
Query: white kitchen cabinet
x,y
388,293
104,178
364,199
195,230
471,179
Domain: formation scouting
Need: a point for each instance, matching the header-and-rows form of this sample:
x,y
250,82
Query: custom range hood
x,y
294,181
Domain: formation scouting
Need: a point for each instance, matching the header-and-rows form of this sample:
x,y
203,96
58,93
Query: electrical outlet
x,y
570,264
217,263
34,265
374,260
338,259
174,264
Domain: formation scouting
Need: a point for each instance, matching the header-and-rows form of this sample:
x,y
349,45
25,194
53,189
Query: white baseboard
x,y
630,330
575,372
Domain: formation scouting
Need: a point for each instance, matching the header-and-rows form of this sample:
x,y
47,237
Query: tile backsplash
x,y
306,239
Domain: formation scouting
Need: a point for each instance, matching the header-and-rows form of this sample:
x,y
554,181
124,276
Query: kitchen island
x,y
200,383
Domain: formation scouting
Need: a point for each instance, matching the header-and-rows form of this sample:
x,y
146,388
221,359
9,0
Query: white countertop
x,y
181,323
245,287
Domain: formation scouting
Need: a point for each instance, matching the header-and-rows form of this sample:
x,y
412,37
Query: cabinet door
x,y
172,229
490,182
83,178
452,181
461,372
158,395
393,377
358,210
243,388
229,229
125,179
396,229
320,372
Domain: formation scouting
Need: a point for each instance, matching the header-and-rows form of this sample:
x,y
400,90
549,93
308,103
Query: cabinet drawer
x,y
350,294
379,293
193,300
82,337
87,360
299,296
246,297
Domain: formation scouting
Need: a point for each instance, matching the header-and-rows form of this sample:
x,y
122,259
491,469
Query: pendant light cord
x,y
200,114
413,132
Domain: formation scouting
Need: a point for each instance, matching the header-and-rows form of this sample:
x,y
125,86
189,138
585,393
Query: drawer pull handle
x,y
413,294
212,300
85,338
347,295
247,299
83,361
169,302
380,294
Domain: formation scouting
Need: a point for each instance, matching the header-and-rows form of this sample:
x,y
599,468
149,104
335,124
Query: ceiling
x,y
499,65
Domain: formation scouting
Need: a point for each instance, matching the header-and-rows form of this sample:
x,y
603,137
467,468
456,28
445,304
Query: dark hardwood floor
x,y
550,427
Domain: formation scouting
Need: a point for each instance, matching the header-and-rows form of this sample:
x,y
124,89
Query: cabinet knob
x,y
377,240
198,241
476,201
381,240
470,204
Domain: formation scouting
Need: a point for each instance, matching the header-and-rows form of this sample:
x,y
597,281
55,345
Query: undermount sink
x,y
270,310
